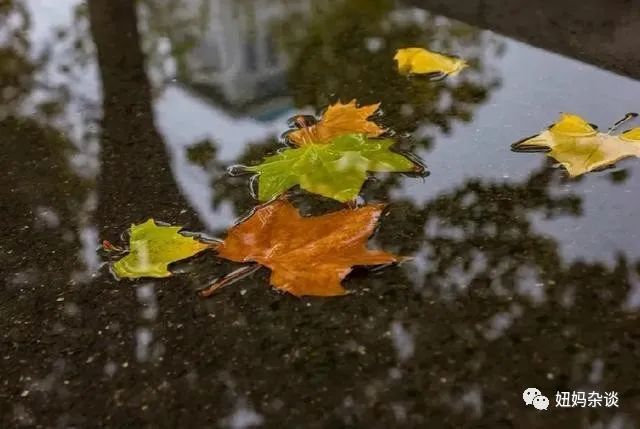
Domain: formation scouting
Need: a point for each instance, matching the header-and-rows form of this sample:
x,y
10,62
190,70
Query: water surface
x,y
520,277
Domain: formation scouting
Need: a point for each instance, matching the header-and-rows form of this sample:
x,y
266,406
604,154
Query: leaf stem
x,y
627,117
229,279
107,246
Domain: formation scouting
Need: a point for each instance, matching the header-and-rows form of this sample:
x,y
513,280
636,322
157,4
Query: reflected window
x,y
208,56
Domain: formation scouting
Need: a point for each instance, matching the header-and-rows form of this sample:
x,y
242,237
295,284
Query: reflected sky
x,y
519,276
536,87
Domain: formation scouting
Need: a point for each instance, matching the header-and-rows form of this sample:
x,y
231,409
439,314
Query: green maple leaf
x,y
152,248
336,169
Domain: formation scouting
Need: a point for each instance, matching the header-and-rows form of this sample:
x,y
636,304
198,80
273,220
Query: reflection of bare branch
x,y
353,58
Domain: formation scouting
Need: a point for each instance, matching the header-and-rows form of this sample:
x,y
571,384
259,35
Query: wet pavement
x,y
520,277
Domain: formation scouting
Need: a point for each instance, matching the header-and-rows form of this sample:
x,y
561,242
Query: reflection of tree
x,y
168,30
44,210
494,217
496,308
514,310
16,68
347,50
44,197
129,135
235,188
180,24
504,308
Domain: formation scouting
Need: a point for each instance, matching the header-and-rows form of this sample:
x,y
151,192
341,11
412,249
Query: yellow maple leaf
x,y
422,61
579,147
339,119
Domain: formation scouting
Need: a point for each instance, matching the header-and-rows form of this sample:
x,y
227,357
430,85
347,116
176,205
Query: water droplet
x,y
253,186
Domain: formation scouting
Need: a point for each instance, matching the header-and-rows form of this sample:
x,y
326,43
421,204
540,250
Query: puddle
x,y
520,277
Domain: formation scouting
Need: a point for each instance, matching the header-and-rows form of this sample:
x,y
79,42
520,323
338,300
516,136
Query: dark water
x,y
520,277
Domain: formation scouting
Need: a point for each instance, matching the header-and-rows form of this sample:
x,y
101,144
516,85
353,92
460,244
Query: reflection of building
x,y
239,62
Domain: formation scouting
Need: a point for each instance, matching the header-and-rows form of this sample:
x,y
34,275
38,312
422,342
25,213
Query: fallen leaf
x,y
337,120
152,248
631,135
422,61
306,255
335,170
573,125
579,147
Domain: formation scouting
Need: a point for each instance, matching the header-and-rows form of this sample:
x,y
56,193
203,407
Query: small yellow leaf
x,y
422,61
152,248
577,145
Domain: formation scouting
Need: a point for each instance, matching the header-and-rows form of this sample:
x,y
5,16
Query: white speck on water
x,y
144,337
243,417
472,399
395,374
498,325
632,303
71,309
402,341
147,298
374,44
597,368
399,412
110,369
47,217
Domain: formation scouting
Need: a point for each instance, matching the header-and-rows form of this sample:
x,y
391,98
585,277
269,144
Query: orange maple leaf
x,y
306,255
337,120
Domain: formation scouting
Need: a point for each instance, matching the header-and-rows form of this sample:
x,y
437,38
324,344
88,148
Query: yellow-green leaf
x,y
335,170
152,248
422,61
578,146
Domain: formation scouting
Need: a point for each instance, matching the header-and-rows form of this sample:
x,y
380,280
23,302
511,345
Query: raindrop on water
x,y
253,186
